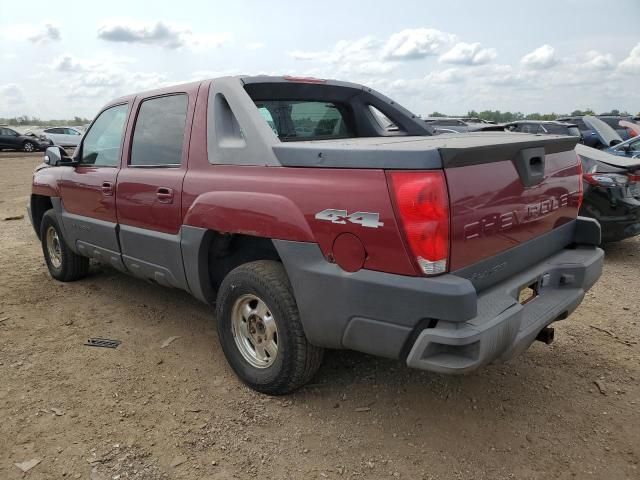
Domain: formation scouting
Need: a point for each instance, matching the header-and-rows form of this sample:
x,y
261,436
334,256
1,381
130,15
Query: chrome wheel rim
x,y
254,331
53,247
28,147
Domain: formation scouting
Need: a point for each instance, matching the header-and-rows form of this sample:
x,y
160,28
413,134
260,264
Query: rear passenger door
x,y
149,189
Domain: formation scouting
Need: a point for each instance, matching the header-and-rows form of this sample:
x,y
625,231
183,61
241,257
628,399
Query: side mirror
x,y
56,157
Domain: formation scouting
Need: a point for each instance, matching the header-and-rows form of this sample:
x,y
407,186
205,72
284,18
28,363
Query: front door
x,y
88,190
9,138
150,190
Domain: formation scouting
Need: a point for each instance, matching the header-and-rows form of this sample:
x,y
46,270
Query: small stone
x,y
214,463
169,341
57,412
600,386
363,409
28,465
179,460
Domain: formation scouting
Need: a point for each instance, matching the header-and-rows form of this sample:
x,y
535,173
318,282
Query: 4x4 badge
x,y
366,219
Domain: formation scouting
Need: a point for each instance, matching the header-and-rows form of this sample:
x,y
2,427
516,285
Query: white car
x,y
63,136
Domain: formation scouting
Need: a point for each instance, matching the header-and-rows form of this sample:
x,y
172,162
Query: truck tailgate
x,y
520,196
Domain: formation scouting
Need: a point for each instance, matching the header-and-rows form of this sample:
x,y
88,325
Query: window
x,y
612,122
70,131
307,119
573,131
529,128
101,145
555,129
8,132
159,132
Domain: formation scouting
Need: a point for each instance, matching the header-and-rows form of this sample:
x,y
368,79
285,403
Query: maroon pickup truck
x,y
291,205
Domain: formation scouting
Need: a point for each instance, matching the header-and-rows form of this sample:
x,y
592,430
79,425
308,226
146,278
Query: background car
x,y
611,192
457,125
630,148
63,136
549,127
590,137
10,139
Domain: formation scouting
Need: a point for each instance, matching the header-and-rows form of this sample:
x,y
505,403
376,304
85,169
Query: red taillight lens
x,y
580,185
423,206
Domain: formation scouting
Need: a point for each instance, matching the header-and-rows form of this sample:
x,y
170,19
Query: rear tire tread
x,y
303,359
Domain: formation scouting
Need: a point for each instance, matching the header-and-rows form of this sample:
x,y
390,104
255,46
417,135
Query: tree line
x,y
27,120
504,117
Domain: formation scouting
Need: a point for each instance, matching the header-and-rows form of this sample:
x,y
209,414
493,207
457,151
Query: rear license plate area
x,y
634,189
528,292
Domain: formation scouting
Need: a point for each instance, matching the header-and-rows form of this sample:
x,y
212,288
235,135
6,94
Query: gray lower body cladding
x,y
443,323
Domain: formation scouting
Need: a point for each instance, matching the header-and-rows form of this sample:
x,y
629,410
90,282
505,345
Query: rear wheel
x,y
260,330
29,146
62,262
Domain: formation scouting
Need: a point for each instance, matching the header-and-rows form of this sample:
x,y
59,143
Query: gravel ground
x,y
570,410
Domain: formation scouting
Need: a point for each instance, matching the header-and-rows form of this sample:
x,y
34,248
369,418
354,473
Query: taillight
x,y
422,203
606,179
580,186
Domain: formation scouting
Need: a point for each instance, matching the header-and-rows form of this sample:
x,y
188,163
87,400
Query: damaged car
x,y
611,186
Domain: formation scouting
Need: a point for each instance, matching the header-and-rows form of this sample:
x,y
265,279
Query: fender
x,y
257,214
46,181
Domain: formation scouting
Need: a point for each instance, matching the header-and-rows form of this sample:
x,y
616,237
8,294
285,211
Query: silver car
x,y
63,136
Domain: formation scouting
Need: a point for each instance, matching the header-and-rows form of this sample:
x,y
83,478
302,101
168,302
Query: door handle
x,y
107,188
165,194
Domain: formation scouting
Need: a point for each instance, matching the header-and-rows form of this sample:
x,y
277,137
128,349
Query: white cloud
x,y
631,64
38,34
599,61
448,76
468,54
12,94
541,58
162,34
254,45
416,43
362,49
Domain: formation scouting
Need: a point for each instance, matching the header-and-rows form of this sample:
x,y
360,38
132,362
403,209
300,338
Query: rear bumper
x,y
443,323
618,215
503,327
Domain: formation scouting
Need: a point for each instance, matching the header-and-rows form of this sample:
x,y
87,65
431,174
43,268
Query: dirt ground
x,y
570,410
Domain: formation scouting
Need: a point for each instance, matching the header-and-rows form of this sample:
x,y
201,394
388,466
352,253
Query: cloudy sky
x,y
450,56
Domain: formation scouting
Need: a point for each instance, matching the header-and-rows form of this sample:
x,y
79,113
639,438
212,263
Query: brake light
x,y
580,186
422,203
304,79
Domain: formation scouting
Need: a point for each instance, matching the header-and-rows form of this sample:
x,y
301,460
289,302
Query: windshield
x,y
307,119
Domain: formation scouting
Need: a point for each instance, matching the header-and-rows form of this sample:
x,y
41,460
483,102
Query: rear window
x,y
612,122
307,119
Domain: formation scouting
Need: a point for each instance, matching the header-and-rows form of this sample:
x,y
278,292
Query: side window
x,y
159,132
101,145
529,128
266,114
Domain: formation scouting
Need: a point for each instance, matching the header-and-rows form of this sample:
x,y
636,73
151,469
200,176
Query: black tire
x,y
29,147
297,360
71,266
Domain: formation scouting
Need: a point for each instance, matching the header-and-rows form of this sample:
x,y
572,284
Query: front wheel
x,y
62,262
28,146
260,330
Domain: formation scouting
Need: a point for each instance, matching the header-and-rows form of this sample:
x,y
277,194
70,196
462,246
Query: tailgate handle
x,y
529,163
